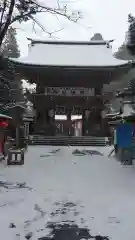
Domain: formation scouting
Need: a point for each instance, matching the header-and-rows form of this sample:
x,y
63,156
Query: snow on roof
x,y
73,54
50,40
111,115
14,105
5,116
127,110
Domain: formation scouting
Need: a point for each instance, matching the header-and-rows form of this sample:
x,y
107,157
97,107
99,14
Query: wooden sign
x,y
66,91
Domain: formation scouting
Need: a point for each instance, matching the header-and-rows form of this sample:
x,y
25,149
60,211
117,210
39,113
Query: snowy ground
x,y
80,192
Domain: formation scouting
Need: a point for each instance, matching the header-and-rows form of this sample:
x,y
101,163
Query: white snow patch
x,y
102,189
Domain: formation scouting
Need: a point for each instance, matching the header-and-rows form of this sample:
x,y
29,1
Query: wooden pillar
x,y
69,123
69,115
26,129
85,122
51,114
51,121
105,128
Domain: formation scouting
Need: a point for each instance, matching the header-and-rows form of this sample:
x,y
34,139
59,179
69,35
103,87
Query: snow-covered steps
x,y
66,140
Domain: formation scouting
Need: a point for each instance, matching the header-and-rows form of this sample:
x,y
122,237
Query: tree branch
x,y
4,28
43,9
28,14
2,13
55,11
43,28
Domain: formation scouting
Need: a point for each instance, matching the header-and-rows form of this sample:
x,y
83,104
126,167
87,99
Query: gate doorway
x,y
66,127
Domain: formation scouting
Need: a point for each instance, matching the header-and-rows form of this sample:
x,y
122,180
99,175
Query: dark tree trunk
x,y
4,29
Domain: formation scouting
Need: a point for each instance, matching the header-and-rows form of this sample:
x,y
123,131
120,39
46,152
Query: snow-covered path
x,y
93,191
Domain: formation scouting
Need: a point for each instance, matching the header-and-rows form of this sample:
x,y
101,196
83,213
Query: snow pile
x,y
86,152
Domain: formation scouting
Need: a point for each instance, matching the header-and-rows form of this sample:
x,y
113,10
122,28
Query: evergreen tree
x,y
131,34
97,37
10,86
10,46
123,53
11,91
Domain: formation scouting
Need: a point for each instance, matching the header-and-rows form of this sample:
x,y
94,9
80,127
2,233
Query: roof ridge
x,y
62,42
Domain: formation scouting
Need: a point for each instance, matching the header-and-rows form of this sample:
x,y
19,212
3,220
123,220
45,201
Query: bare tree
x,y
24,10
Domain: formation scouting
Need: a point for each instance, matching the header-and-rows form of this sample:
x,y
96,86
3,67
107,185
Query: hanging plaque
x,y
67,91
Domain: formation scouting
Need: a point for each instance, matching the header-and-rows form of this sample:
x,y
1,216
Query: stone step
x,y
66,140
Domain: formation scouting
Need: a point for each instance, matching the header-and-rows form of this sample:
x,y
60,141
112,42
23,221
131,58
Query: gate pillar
x,y
50,117
86,122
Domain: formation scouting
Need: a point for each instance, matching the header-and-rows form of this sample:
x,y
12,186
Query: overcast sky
x,y
108,17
